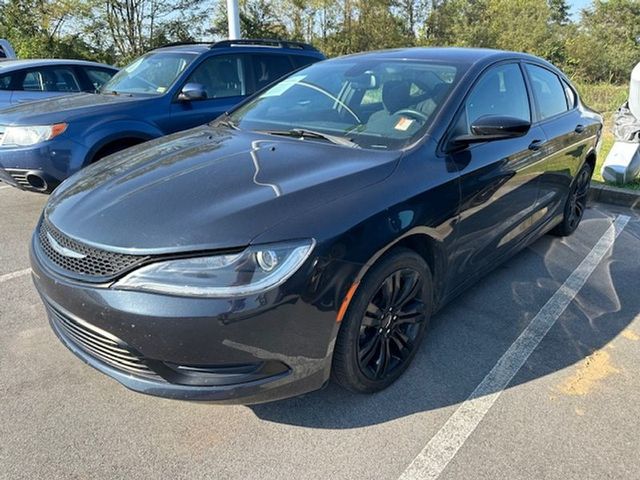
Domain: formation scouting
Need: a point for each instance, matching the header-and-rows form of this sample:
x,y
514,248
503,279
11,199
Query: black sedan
x,y
313,231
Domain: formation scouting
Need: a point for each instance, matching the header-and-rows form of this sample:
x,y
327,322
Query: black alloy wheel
x,y
384,324
390,324
576,203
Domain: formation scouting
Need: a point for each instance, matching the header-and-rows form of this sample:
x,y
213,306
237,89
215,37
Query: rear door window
x,y
50,80
33,82
269,68
548,91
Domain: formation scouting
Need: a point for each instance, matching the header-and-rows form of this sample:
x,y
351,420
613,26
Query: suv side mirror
x,y
493,127
191,92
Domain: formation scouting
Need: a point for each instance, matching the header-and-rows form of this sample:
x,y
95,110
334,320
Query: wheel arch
x,y
424,244
590,159
114,145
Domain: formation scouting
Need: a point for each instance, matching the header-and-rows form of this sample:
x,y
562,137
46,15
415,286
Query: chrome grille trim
x,y
93,263
99,344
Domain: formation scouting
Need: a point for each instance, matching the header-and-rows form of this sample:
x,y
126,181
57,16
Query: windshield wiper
x,y
225,121
304,133
115,94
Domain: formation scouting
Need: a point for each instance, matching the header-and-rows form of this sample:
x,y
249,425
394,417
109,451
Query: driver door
x,y
224,78
499,179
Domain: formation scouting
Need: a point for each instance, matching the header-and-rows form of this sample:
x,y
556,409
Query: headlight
x,y
26,136
255,270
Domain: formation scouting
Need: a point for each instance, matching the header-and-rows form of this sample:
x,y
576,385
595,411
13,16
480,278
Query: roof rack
x,y
177,44
264,42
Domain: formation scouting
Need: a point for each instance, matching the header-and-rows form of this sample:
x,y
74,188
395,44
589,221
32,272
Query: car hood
x,y
63,109
207,188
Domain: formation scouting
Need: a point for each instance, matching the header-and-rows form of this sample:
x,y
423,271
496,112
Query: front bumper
x,y
267,347
41,167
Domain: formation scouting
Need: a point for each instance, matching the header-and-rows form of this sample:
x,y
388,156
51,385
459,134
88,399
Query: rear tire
x,y
385,323
576,203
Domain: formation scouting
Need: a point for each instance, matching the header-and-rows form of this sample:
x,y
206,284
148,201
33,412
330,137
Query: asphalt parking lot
x,y
532,374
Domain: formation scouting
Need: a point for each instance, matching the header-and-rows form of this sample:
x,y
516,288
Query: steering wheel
x,y
413,113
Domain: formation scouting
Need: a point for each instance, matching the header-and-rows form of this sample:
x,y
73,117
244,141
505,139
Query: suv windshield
x,y
382,104
151,74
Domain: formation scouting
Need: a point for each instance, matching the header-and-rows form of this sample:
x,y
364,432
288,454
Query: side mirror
x,y
493,127
191,92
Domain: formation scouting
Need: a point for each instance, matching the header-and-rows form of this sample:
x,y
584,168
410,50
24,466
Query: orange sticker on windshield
x,y
403,124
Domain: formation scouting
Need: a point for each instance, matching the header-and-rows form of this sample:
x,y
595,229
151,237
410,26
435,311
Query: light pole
x,y
233,14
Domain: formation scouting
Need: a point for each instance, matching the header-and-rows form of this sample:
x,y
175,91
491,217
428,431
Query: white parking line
x,y
444,445
2,187
10,276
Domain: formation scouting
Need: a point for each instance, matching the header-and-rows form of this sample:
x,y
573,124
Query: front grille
x,y
99,344
89,261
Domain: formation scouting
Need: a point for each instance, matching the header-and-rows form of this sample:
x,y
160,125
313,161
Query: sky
x,y
577,5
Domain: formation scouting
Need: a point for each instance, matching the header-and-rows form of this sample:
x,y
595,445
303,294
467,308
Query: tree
x,y
258,19
131,27
559,11
45,28
605,44
520,25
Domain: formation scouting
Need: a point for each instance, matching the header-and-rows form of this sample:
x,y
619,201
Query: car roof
x,y
12,65
460,54
254,45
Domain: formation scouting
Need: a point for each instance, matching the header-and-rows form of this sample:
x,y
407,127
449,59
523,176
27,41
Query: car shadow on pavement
x,y
469,335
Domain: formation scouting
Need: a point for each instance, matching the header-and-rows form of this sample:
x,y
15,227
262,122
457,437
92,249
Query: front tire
x,y
576,203
384,324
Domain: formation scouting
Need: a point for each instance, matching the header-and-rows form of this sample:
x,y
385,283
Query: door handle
x,y
536,145
579,129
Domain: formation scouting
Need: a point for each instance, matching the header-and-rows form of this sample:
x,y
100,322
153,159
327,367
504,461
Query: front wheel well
x,y
427,248
115,146
591,160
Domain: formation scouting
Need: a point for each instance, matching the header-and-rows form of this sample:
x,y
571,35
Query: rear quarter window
x,y
300,61
5,82
570,94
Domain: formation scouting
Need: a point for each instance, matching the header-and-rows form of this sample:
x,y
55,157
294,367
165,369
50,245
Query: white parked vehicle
x,y
6,50
622,164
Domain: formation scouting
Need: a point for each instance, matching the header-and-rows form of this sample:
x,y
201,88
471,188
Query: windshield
x,y
151,74
382,104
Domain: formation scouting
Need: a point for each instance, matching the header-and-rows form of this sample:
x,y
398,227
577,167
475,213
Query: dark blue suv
x,y
166,90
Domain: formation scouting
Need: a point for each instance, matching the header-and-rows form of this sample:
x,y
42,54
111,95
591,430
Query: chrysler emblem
x,y
67,252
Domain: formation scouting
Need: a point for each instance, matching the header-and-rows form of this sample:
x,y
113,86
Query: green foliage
x,y
605,45
601,46
603,97
41,28
559,11
258,19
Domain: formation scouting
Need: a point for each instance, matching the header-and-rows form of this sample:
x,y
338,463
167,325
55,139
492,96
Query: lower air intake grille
x,y
81,259
99,344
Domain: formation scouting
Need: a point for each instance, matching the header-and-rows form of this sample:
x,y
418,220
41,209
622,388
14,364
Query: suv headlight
x,y
24,136
252,271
